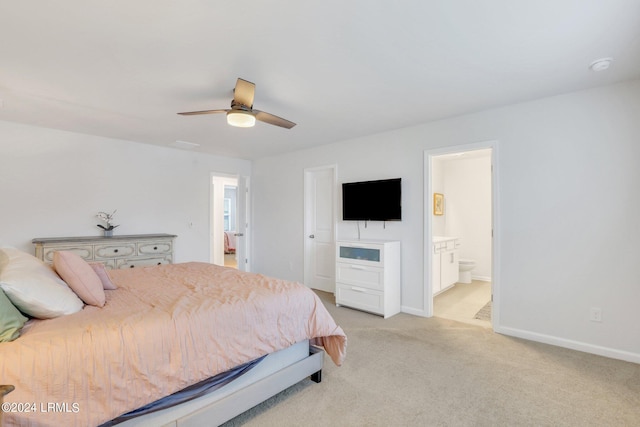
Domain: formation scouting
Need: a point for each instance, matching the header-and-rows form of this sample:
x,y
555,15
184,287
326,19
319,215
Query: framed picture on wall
x,y
438,204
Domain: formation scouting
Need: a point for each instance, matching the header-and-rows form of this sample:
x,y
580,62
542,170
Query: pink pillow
x,y
80,277
101,271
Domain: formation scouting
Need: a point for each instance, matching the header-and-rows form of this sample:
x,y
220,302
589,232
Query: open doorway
x,y
230,215
229,221
459,236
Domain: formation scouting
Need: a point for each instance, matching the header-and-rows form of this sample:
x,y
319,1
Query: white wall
x,y
467,213
569,204
53,183
569,209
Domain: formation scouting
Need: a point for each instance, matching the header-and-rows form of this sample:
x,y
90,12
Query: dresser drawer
x,y
109,264
152,248
446,245
85,252
114,250
360,298
364,254
142,262
360,275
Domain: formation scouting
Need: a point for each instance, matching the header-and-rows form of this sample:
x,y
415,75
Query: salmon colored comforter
x,y
163,329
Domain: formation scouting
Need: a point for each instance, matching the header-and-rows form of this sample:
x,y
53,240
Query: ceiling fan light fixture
x,y
241,119
241,113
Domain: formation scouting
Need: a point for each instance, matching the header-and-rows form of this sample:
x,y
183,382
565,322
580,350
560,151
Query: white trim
x,y
428,233
571,344
427,286
244,182
412,310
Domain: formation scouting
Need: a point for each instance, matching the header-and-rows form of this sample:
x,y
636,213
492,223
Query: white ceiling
x,y
339,69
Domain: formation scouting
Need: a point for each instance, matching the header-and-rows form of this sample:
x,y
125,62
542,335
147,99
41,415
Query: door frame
x,y
306,213
242,209
244,221
495,220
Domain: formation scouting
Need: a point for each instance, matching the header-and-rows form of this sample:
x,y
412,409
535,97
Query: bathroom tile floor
x,y
462,302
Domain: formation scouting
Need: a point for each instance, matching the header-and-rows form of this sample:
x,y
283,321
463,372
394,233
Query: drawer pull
x,y
115,251
131,266
357,267
354,288
155,248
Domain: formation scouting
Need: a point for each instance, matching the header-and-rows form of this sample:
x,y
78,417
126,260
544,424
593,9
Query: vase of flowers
x,y
108,219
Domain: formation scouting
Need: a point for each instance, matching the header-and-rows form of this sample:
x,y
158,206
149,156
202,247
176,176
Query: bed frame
x,y
277,372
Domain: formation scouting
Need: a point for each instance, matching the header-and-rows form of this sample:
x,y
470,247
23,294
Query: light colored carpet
x,y
412,371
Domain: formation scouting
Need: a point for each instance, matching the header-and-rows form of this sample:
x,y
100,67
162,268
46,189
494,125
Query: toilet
x,y
465,266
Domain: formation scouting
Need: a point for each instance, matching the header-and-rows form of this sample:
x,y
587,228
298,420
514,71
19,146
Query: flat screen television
x,y
372,200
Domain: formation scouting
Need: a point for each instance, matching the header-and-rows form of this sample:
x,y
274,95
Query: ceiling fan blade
x,y
243,93
273,120
193,113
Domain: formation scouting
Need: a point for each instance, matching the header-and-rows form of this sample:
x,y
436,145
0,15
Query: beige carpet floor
x,y
412,371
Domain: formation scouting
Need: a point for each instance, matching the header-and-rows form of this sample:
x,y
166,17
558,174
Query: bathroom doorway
x,y
229,221
460,207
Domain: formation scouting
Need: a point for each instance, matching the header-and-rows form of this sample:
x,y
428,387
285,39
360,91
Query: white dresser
x,y
368,276
115,252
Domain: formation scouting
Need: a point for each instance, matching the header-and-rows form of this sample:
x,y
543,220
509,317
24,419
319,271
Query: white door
x,y
319,226
242,228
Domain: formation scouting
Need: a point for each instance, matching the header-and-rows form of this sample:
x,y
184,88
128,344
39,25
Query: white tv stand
x,y
368,276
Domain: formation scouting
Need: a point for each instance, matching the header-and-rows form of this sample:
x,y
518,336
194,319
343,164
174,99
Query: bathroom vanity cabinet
x,y
445,269
368,276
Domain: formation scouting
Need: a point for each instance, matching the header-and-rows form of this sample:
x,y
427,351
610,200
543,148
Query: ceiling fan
x,y
241,113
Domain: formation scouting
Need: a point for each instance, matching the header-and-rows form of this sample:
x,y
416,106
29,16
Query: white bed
x,y
164,329
275,373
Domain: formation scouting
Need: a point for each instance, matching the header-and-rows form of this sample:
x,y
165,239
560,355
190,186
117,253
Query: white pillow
x,y
33,287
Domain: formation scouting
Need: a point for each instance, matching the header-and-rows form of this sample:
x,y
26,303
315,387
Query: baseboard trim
x,y
481,278
413,311
573,345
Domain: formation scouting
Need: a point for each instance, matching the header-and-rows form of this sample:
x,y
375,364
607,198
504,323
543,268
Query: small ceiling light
x,y
600,64
241,119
